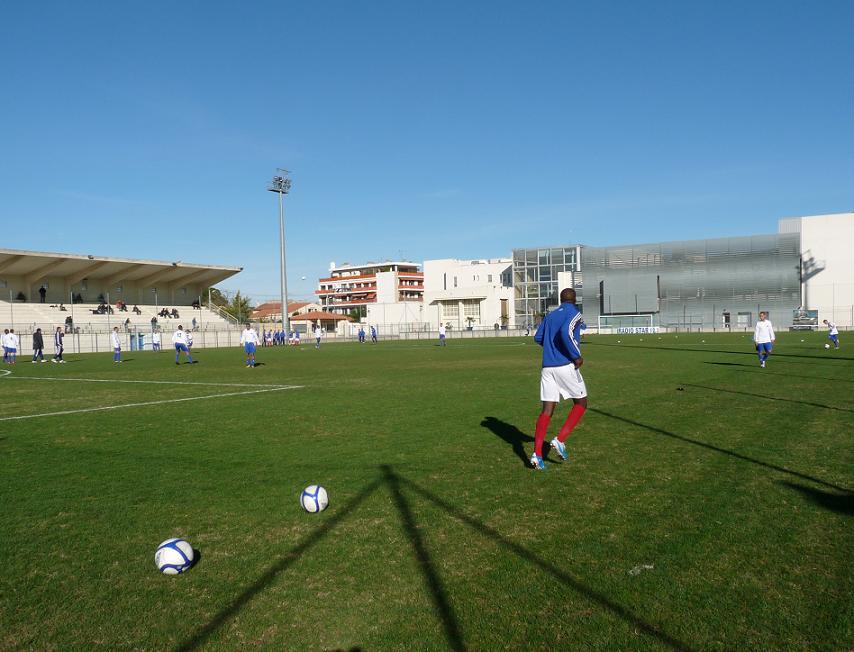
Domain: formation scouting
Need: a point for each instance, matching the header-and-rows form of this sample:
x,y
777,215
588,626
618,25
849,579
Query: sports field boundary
x,y
104,408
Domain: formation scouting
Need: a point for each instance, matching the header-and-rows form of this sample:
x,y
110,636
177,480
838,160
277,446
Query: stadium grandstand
x,y
89,295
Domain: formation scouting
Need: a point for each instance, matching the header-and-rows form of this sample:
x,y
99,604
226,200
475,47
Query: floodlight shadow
x,y
441,603
561,576
840,503
770,398
784,356
754,369
293,555
717,449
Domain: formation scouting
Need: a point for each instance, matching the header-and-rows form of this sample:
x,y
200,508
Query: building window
x,y
450,310
471,308
444,281
489,278
455,281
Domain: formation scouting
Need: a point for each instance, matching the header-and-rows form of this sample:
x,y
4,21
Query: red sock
x,y
572,420
540,433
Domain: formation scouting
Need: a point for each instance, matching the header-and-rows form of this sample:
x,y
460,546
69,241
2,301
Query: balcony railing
x,y
366,288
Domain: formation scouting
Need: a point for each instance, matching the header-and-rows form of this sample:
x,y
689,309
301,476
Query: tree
x,y
218,297
239,307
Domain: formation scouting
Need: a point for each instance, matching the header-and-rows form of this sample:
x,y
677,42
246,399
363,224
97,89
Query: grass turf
x,y
715,516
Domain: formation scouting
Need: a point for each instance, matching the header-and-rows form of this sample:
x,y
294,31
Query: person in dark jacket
x,y
38,346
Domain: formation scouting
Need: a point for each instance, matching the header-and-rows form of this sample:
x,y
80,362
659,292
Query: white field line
x,y
146,403
143,382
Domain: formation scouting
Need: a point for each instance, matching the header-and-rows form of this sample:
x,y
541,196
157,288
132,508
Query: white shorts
x,y
564,382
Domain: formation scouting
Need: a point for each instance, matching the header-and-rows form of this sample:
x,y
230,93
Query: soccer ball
x,y
827,346
173,556
314,499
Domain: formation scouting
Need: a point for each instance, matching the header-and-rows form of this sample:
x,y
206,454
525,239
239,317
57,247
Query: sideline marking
x,y
169,400
5,372
144,382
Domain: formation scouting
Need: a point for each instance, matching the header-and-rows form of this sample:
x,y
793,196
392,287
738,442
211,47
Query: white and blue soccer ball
x,y
314,499
173,556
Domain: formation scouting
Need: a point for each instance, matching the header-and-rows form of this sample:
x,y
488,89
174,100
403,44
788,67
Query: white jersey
x,y
114,338
442,330
318,333
249,336
5,340
764,332
156,338
833,330
179,337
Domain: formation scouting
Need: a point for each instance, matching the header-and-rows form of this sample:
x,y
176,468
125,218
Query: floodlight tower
x,y
281,184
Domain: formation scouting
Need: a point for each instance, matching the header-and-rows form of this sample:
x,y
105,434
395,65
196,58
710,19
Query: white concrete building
x,y
469,293
827,264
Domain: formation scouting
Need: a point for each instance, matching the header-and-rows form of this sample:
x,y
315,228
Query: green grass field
x,y
715,516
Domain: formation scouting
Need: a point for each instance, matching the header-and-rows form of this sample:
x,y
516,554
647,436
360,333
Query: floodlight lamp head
x,y
280,184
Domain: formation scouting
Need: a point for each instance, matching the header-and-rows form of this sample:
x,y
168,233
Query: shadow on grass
x,y
703,349
755,369
840,503
510,434
769,398
547,567
441,604
717,449
270,575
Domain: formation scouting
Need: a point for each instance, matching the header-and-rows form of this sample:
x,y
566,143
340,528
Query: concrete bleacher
x,y
26,317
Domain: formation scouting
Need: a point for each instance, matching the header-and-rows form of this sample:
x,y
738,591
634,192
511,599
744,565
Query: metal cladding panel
x,y
692,283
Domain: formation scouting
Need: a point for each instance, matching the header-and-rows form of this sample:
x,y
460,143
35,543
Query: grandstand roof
x,y
38,265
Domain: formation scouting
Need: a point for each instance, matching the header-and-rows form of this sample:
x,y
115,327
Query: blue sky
x,y
422,130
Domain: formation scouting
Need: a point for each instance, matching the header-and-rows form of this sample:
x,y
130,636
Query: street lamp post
x,y
281,184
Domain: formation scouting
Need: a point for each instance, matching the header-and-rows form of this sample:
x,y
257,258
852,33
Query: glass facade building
x,y
535,279
717,283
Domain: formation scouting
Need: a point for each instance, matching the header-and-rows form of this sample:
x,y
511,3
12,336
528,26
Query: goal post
x,y
639,323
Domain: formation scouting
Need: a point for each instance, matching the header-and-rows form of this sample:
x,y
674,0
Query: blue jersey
x,y
559,334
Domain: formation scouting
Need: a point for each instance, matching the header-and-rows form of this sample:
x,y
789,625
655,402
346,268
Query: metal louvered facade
x,y
694,284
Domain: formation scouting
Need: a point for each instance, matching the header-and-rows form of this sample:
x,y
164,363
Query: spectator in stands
x,y
127,324
196,305
195,324
62,308
38,346
175,313
42,293
136,310
69,324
